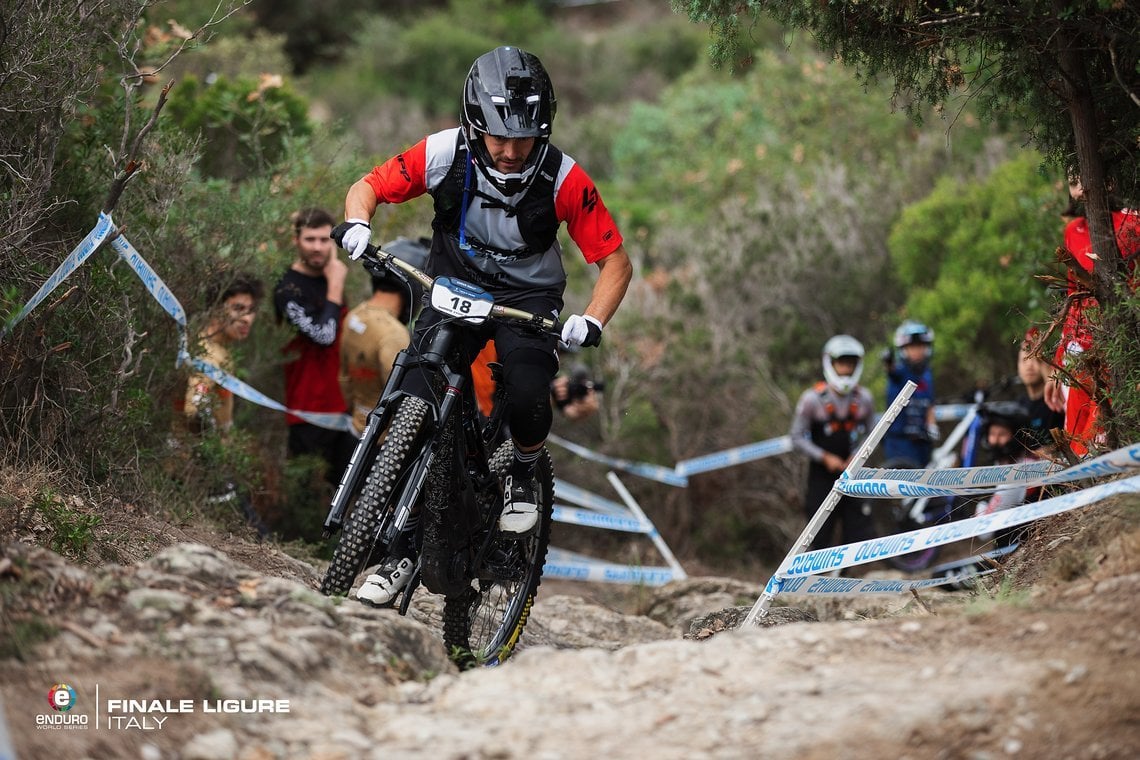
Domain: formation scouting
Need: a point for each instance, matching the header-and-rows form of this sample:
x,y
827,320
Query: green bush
x,y
245,125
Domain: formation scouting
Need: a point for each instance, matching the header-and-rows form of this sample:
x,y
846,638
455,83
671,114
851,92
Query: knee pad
x,y
526,377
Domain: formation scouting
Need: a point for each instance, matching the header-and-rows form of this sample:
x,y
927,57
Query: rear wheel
x,y
483,623
374,506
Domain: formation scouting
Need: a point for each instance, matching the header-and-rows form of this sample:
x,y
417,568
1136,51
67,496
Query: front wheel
x,y
483,623
374,506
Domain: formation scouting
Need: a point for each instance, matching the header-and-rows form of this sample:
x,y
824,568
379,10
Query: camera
x,y
578,385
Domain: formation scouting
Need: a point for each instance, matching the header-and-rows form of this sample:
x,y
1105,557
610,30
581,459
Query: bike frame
x,y
468,452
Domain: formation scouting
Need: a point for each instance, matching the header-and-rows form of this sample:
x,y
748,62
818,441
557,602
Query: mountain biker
x,y
915,431
501,190
376,330
830,418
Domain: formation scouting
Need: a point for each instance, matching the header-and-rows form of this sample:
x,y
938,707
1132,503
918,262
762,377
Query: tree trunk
x,y
1109,274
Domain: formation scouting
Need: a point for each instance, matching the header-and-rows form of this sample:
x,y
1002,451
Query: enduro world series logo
x,y
141,714
61,698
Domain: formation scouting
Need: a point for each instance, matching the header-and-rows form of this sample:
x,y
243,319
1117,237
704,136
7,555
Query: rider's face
x,y
999,436
844,365
508,154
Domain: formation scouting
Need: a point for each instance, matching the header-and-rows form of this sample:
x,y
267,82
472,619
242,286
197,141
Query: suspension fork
x,y
361,457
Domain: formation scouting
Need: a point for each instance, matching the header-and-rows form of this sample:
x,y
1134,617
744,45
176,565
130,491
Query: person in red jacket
x,y
310,297
1076,336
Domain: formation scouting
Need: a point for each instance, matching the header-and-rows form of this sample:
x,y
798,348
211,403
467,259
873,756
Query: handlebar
x,y
374,256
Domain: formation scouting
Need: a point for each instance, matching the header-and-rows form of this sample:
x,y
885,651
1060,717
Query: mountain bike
x,y
429,457
906,514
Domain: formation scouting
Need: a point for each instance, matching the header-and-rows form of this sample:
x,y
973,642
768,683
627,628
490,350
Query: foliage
x,y
71,529
1009,54
45,48
968,255
1068,72
245,124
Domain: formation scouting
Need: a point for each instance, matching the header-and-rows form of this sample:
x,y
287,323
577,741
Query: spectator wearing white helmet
x,y
831,417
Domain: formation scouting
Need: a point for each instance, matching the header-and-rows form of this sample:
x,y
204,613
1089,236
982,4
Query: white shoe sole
x,y
518,523
378,590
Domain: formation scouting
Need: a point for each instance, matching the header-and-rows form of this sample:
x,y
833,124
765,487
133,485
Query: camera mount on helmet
x,y
507,94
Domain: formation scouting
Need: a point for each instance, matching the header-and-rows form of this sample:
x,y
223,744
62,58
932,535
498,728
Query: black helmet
x,y
415,252
1009,414
507,94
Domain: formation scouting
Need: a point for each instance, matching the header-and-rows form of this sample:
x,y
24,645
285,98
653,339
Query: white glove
x,y
582,331
356,238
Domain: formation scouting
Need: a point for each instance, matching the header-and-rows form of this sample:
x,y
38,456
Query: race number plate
x,y
457,298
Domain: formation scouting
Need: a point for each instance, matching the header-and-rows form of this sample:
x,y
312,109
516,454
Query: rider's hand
x,y
353,235
834,462
583,331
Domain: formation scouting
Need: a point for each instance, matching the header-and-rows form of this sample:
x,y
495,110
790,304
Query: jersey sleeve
x,y
588,221
800,432
402,177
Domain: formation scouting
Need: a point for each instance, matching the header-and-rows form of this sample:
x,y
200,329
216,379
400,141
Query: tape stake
x,y
678,571
820,517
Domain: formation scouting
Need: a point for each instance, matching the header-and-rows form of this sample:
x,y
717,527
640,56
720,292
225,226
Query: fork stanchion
x,y
760,608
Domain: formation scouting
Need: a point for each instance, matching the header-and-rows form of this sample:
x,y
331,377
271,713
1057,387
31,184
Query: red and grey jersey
x,y
502,257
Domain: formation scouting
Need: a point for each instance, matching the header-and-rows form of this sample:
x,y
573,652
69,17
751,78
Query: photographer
x,y
576,395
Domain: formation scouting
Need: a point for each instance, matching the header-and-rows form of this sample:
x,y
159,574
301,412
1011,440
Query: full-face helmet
x,y
507,94
841,347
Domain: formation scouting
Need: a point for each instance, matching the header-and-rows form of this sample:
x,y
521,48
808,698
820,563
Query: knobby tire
x,y
374,505
483,623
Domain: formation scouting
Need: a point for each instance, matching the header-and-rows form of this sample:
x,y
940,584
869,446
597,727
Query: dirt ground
x,y
1044,662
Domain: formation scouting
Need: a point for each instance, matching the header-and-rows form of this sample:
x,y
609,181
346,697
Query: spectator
x,y
233,301
206,407
310,297
1067,390
914,432
576,395
1032,371
1006,432
377,330
830,418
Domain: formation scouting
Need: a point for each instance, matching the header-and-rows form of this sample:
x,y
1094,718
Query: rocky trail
x,y
228,651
